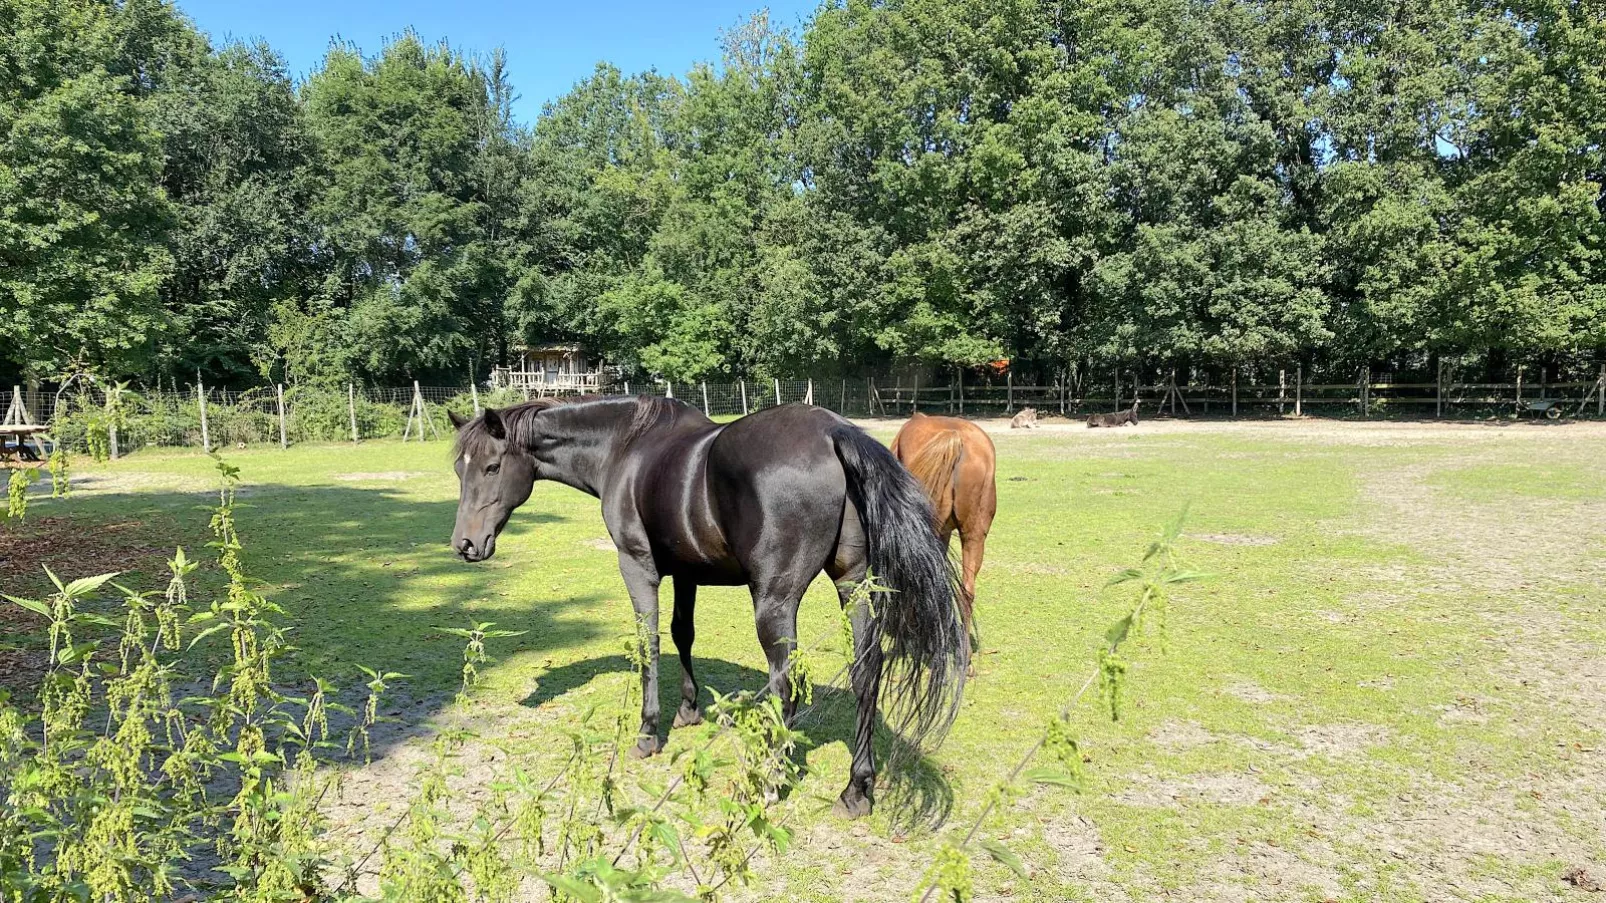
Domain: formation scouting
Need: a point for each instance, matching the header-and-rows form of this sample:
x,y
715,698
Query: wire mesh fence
x,y
118,420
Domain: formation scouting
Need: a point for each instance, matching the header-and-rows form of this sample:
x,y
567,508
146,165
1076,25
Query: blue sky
x,y
550,46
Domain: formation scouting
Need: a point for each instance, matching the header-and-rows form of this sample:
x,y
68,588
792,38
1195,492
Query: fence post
x,y
742,384
474,392
1299,391
706,412
1519,390
669,389
412,409
961,384
842,403
1600,396
1282,390
283,442
1438,390
777,390
111,426
869,394
627,387
423,413
1366,381
200,394
1235,390
914,395
1009,390
351,408
809,397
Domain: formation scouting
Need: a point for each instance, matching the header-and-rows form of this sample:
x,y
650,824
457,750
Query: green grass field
x,y
1393,688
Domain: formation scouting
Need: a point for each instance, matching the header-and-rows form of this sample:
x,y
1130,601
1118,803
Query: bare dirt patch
x,y
73,550
1220,788
1338,740
21,669
379,476
1234,539
1174,734
1251,692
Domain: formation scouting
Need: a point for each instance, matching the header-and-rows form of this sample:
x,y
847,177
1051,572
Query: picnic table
x,y
23,432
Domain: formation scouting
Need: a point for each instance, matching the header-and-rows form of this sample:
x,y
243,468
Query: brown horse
x,y
954,460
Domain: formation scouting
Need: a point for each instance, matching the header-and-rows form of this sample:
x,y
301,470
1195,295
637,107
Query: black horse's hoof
x,y
646,746
688,716
852,804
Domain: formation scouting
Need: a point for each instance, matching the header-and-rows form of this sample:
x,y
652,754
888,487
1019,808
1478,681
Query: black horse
x,y
768,502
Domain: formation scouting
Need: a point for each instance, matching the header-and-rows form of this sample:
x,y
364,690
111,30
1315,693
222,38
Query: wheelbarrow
x,y
1550,408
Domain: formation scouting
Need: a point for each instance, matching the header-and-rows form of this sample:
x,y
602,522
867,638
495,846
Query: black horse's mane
x,y
520,425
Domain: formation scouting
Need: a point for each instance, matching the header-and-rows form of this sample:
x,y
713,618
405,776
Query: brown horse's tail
x,y
934,467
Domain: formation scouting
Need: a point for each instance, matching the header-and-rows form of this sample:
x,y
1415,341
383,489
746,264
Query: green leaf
x,y
1125,576
38,608
1053,776
1118,631
574,888
206,633
666,835
83,586
1004,855
77,652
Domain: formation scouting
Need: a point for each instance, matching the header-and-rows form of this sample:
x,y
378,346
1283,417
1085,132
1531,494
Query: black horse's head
x,y
495,475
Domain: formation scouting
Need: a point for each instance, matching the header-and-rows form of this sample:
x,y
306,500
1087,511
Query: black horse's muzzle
x,y
469,551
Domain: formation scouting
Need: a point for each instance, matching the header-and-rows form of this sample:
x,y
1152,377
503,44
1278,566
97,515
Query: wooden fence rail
x,y
209,417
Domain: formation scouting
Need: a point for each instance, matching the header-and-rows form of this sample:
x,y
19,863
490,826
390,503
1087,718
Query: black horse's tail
x,y
919,644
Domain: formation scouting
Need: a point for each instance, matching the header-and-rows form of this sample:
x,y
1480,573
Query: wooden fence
x,y
1290,395
210,418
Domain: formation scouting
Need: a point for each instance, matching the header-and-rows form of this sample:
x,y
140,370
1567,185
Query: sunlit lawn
x,y
1326,687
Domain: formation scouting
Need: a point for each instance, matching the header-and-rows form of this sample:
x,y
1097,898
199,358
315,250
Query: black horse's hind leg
x,y
682,628
642,582
775,614
848,569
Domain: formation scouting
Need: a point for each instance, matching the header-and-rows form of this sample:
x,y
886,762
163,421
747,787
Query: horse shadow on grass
x,y
909,784
363,575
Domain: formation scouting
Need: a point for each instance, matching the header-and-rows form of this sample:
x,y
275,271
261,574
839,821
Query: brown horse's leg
x,y
975,503
973,544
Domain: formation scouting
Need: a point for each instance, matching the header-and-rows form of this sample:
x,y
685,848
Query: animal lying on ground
x,y
1026,419
1128,416
954,460
766,502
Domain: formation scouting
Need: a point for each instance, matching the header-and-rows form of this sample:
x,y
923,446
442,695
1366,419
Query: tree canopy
x,y
1165,183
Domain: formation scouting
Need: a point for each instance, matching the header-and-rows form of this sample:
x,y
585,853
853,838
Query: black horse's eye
x,y
493,468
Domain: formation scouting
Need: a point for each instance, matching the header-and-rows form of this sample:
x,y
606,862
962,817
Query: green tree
x,y
83,218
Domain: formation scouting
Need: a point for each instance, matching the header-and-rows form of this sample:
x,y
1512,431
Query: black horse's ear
x,y
493,424
458,420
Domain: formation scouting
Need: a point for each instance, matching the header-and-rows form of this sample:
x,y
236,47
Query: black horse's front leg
x,y
641,579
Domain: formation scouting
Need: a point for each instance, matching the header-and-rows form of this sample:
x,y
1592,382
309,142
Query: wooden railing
x,y
550,383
